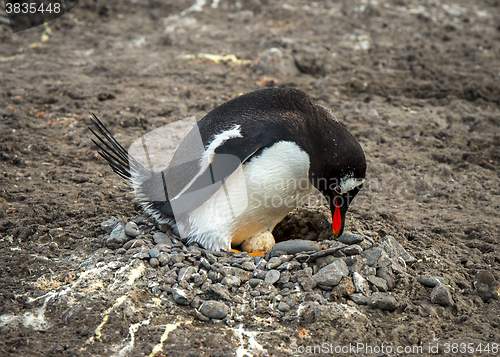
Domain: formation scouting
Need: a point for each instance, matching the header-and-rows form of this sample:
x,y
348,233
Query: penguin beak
x,y
337,220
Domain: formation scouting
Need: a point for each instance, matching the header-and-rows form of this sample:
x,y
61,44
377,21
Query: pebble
x,y
344,288
132,230
359,299
372,255
185,273
387,274
154,262
486,285
254,282
441,295
117,237
220,290
283,306
134,243
430,281
231,281
259,274
382,301
163,259
396,250
361,284
141,255
289,265
272,276
348,238
110,224
249,266
214,309
296,246
273,263
180,296
162,239
352,250
154,253
379,283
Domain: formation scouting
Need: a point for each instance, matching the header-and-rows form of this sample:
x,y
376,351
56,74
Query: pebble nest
x,y
296,274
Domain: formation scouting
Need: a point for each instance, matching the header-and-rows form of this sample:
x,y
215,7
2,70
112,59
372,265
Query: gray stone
x,y
154,262
205,263
296,246
379,283
141,255
486,285
211,258
359,299
284,277
272,276
430,281
396,250
441,295
176,257
134,243
352,250
324,261
254,282
372,255
220,290
289,265
185,273
273,263
162,239
338,266
180,296
163,259
348,238
214,309
361,284
110,224
259,274
243,275
231,281
249,266
283,306
199,278
328,276
132,230
117,237
154,253
387,274
382,301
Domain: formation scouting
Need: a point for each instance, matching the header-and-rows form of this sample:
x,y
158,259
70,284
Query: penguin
x,y
262,153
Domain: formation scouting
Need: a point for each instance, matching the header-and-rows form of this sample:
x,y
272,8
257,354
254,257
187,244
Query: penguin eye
x,y
338,190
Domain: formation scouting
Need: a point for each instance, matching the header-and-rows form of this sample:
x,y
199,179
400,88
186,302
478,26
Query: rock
x,y
141,255
154,262
349,238
254,282
260,263
231,281
361,284
382,301
283,306
199,278
110,224
324,261
430,281
134,243
259,274
284,277
185,273
220,290
249,266
132,230
272,276
117,237
327,277
441,295
372,255
296,246
352,250
304,278
289,265
396,250
387,274
176,257
379,283
243,275
273,263
274,61
359,299
344,288
162,239
180,296
338,265
486,285
154,253
163,259
214,309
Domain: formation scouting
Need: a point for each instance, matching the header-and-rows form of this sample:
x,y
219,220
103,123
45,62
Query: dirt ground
x,y
416,81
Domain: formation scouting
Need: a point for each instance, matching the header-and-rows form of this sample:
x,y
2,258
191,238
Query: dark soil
x,y
416,82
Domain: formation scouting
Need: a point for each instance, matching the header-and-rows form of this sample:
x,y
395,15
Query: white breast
x,y
254,199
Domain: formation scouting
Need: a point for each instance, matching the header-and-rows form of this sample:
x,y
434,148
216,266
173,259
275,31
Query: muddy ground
x,y
416,82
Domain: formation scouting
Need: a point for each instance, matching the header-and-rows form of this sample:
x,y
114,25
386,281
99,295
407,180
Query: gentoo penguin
x,y
262,154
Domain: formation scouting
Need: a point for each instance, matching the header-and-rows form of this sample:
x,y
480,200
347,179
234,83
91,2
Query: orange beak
x,y
336,221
